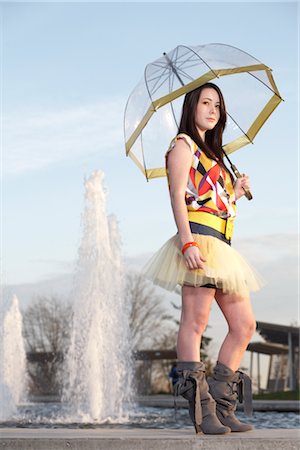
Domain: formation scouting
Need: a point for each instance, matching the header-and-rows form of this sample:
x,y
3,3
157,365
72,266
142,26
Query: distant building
x,y
282,345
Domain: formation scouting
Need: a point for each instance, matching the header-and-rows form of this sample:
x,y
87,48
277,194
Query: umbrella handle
x,y
248,194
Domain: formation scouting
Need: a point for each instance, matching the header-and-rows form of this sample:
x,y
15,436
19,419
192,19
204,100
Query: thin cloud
x,y
269,249
276,302
260,250
41,138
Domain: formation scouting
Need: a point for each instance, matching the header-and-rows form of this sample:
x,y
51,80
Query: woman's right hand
x,y
193,258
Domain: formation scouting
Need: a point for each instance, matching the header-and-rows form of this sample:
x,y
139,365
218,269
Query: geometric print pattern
x,y
209,188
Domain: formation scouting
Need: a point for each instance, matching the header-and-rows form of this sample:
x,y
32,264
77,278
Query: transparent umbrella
x,y
153,109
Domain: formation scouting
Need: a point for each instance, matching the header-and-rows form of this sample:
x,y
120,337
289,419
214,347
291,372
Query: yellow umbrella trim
x,y
231,146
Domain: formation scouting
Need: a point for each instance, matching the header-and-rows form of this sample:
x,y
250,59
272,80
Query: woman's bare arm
x,y
179,164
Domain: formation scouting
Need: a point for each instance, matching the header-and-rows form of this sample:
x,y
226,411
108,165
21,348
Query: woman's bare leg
x,y
196,303
238,313
192,384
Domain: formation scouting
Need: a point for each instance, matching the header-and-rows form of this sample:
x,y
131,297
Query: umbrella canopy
x,y
247,84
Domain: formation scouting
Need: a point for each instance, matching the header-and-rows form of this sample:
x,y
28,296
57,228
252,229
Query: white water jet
x,y
98,363
13,374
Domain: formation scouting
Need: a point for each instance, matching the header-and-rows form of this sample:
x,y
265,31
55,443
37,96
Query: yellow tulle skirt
x,y
224,267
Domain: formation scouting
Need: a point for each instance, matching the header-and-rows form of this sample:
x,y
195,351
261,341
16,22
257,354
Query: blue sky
x,y
68,69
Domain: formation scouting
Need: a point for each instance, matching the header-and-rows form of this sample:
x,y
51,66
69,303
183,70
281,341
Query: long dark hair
x,y
212,146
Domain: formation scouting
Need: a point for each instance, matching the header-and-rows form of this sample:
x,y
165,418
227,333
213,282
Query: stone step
x,y
144,439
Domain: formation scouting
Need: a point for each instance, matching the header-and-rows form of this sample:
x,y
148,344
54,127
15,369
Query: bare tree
x,y
152,327
150,322
161,368
46,329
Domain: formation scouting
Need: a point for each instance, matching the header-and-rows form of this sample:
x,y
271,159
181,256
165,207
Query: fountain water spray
x,y
98,363
13,374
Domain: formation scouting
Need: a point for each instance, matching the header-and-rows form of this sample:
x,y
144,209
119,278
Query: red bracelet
x,y
188,245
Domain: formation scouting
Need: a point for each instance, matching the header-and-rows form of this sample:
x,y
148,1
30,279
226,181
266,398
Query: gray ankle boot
x,y
226,387
192,385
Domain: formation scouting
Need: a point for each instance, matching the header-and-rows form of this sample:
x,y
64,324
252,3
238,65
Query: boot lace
x,y
187,381
243,388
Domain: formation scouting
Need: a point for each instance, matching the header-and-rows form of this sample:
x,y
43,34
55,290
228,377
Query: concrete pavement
x,y
144,439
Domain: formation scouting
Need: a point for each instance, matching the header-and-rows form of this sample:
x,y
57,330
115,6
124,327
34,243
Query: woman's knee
x,y
244,329
199,326
196,303
238,312
195,325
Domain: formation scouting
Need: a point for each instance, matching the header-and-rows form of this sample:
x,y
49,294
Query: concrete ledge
x,y
144,439
167,401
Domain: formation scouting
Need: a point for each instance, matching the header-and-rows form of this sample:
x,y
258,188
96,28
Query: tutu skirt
x,y
224,267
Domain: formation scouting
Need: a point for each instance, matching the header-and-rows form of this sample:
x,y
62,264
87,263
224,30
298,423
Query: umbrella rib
x,y
160,66
157,77
190,58
171,80
171,84
155,87
181,71
171,103
189,66
250,140
174,69
152,92
158,85
183,55
143,156
210,68
167,76
185,74
174,116
250,73
178,64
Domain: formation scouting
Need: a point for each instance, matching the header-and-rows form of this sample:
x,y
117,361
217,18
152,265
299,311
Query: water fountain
x,y
13,380
98,364
97,367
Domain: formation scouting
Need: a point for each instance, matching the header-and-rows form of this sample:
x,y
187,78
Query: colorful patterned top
x,y
209,188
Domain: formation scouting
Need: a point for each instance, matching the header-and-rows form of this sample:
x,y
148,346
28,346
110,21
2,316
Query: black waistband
x,y
198,228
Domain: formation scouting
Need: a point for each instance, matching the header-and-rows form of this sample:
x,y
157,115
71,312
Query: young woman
x,y
200,259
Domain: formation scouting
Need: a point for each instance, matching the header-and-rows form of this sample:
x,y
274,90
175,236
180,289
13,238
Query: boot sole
x,y
242,431
212,434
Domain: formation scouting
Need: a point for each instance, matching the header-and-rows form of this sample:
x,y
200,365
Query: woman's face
x,y
207,111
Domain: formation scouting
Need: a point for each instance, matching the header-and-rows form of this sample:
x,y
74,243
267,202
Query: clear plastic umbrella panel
x,y
153,109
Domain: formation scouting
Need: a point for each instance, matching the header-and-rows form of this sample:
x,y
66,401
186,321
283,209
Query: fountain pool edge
x,y
145,439
167,401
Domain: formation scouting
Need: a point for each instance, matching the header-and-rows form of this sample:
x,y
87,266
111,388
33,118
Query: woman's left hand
x,y
239,186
